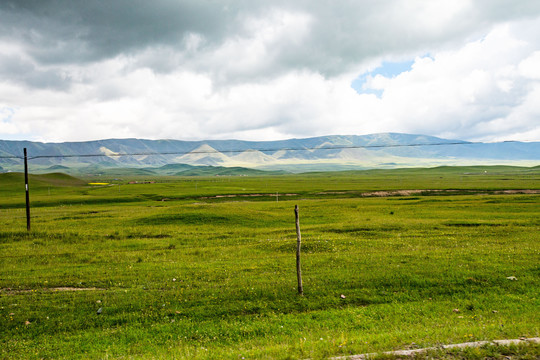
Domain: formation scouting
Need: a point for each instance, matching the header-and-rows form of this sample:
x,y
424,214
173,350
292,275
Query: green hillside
x,y
58,167
10,182
224,171
171,169
125,172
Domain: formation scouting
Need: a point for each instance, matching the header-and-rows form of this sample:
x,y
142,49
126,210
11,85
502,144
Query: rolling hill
x,y
12,182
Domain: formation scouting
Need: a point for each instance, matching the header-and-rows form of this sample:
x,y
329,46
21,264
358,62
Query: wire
x,y
341,147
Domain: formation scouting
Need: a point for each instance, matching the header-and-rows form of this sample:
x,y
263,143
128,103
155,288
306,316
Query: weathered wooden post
x,y
298,246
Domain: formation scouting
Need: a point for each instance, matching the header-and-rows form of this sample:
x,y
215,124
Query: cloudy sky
x,y
264,70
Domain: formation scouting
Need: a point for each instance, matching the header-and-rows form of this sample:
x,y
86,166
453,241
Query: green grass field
x,y
205,267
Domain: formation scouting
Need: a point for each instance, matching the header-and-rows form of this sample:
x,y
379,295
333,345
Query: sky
x,y
266,70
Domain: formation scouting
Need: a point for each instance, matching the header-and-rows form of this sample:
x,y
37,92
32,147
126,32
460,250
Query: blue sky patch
x,y
387,69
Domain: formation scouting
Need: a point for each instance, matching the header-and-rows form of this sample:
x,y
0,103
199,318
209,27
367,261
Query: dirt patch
x,y
74,289
244,195
435,192
335,192
388,193
412,353
9,291
403,192
526,191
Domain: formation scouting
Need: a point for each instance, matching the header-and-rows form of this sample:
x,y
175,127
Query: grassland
x,y
205,267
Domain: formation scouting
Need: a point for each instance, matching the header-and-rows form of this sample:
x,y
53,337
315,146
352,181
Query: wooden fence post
x,y
298,245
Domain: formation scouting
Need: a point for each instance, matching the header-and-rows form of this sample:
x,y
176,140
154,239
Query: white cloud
x,y
470,93
530,67
431,16
6,113
254,52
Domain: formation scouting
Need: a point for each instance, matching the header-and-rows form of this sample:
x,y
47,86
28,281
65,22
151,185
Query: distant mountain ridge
x,y
335,152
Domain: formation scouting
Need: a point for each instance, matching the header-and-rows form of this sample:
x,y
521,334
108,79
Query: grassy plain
x,y
205,267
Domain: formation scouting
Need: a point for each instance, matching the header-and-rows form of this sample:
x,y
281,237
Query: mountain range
x,y
336,152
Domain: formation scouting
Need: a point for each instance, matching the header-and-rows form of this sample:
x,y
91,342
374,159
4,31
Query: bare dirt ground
x,y
410,353
244,195
9,291
388,193
434,192
430,192
518,192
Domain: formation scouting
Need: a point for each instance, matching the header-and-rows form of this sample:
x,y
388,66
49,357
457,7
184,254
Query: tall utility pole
x,y
27,193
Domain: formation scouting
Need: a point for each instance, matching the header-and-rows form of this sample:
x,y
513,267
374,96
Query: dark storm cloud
x,y
73,31
342,33
21,70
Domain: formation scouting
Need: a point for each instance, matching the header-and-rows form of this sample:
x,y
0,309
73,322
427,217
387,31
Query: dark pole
x,y
27,193
298,245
